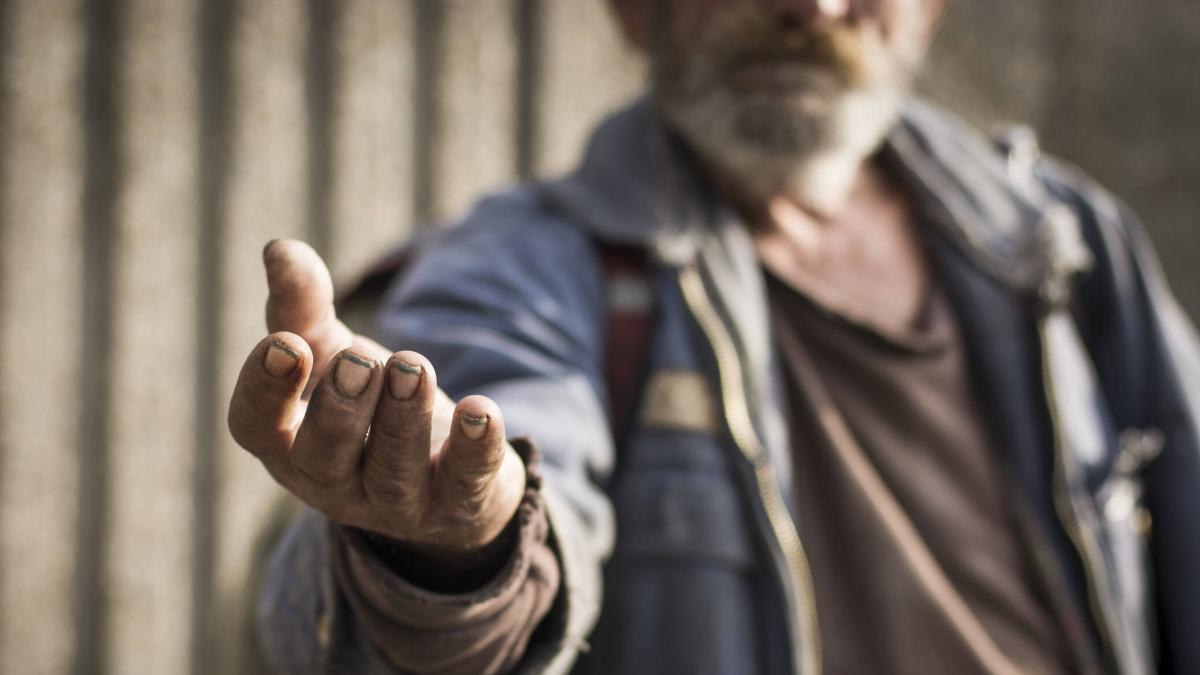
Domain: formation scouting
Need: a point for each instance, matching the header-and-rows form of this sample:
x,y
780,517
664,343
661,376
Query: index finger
x,y
266,408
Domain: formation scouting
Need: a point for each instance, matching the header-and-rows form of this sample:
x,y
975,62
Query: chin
x,y
807,147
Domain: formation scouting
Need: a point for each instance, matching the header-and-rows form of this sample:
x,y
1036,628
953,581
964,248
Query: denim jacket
x,y
678,546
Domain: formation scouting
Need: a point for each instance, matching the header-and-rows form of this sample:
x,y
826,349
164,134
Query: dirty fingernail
x,y
403,379
473,427
352,374
281,359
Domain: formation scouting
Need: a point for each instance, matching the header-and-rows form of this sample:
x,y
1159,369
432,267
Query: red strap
x,y
627,331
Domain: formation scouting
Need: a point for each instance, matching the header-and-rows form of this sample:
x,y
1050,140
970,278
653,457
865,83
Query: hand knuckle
x,y
324,476
327,431
334,507
396,436
390,494
334,425
471,484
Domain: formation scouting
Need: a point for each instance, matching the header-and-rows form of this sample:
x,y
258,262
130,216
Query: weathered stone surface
x,y
267,198
372,131
585,70
41,257
153,388
1112,87
474,145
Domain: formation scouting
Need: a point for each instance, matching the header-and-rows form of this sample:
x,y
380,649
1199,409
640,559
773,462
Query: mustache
x,y
746,36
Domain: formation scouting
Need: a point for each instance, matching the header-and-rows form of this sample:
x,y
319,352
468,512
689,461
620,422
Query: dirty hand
x,y
377,446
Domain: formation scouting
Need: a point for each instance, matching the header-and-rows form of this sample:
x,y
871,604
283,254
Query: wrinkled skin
x,y
436,476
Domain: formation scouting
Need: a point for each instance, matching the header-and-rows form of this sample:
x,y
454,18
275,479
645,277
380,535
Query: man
x,y
909,401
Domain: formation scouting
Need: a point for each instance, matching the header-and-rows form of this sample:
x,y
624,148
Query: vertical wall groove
x,y
474,146
371,125
527,18
320,89
265,199
5,234
215,99
5,84
101,181
41,266
150,502
427,51
582,75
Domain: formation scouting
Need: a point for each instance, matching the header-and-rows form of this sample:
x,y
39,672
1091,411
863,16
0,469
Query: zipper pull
x,y
1066,255
1121,495
1138,447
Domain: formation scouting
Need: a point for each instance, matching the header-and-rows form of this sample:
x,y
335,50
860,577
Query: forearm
x,y
330,603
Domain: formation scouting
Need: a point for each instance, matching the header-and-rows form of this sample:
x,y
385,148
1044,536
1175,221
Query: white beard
x,y
808,144
813,158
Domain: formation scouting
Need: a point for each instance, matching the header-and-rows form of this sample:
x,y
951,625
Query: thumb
x,y
300,300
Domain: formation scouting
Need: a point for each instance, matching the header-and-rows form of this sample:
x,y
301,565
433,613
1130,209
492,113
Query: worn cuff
x,y
484,630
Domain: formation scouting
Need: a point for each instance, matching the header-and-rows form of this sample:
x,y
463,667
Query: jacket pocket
x,y
682,517
680,589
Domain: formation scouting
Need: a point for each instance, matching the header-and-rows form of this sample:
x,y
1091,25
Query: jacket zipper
x,y
1085,543
737,418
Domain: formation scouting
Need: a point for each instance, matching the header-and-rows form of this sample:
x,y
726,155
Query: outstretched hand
x,y
364,435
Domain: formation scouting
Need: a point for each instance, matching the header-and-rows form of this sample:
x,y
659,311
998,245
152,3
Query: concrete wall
x,y
148,149
1111,86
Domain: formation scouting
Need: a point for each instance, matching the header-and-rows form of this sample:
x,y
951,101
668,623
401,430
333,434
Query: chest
x,y
869,264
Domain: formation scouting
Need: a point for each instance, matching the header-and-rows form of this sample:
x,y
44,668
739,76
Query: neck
x,y
863,260
823,186
819,195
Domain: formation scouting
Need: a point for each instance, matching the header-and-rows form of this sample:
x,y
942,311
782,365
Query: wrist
x,y
443,569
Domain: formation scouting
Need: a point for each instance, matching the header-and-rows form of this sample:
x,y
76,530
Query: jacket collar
x,y
637,186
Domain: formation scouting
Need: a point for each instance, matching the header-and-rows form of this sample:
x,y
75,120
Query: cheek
x,y
691,17
894,19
